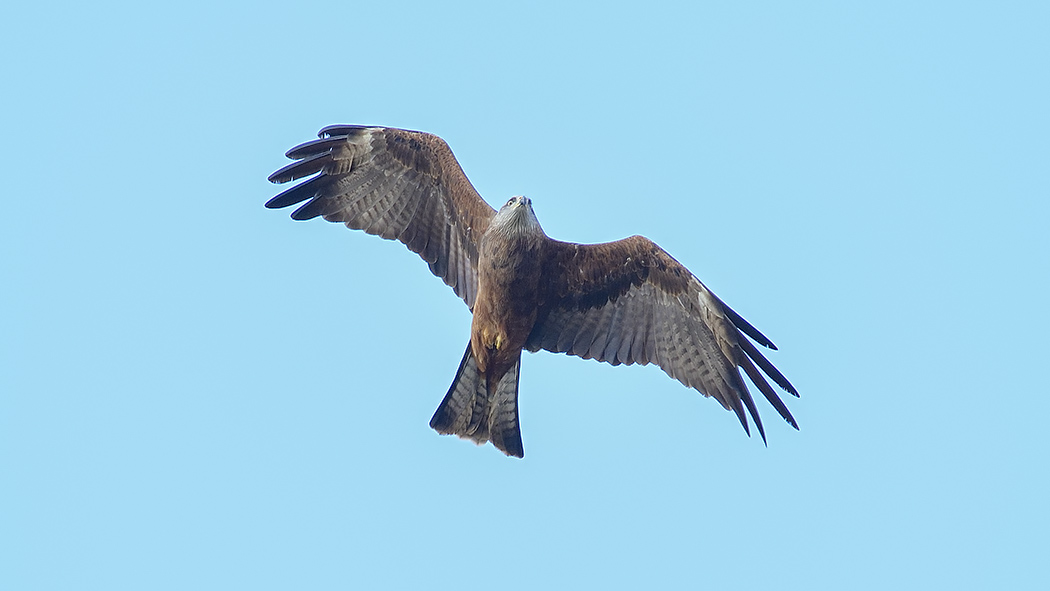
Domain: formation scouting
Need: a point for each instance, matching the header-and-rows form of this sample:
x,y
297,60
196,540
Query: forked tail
x,y
471,412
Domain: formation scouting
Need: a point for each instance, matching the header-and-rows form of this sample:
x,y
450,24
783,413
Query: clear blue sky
x,y
199,393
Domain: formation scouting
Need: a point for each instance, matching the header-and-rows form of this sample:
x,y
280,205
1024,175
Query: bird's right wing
x,y
396,184
630,302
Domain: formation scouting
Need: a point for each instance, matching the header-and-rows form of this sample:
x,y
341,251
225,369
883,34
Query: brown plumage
x,y
621,302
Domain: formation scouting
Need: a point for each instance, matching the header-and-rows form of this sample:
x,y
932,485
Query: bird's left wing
x,y
630,302
396,184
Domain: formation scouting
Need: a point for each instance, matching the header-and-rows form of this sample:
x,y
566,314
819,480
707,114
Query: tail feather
x,y
471,412
504,429
456,413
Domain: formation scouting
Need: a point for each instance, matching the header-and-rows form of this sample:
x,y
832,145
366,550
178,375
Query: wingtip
x,y
738,408
329,130
339,129
306,212
749,402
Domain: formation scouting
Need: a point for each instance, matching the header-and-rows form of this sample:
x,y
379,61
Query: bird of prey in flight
x,y
620,302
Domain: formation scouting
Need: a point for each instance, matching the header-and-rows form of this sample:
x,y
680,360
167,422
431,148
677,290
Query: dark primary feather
x,y
631,302
746,327
397,184
315,147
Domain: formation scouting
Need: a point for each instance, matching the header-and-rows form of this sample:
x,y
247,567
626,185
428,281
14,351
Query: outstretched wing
x,y
396,184
631,302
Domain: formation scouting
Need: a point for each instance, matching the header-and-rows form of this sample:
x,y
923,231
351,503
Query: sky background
x,y
199,393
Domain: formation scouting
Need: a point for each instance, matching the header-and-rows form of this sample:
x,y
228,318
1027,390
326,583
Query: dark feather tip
x,y
296,194
309,211
746,327
301,168
336,130
314,147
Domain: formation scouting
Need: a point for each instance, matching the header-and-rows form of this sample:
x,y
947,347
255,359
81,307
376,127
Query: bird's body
x,y
509,267
621,302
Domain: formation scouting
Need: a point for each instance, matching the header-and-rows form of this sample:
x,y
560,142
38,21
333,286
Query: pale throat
x,y
515,222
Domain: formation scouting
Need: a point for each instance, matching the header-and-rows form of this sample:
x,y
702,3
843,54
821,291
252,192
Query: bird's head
x,y
516,202
516,217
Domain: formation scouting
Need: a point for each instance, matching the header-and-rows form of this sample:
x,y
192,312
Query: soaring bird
x,y
626,301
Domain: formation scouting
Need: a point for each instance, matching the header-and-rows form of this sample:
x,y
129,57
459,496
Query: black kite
x,y
620,302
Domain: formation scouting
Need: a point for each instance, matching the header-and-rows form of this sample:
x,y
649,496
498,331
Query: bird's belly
x,y
504,314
